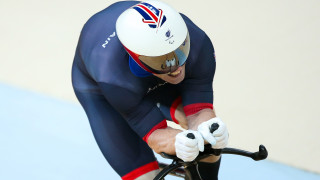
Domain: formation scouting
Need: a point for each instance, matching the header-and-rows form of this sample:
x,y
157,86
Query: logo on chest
x,y
155,87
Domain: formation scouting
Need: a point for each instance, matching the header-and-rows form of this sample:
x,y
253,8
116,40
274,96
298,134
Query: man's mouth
x,y
175,73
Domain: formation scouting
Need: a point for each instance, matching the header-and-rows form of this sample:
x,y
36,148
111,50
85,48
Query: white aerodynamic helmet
x,y
155,36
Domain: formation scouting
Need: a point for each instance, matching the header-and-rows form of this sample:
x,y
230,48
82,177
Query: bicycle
x,y
189,170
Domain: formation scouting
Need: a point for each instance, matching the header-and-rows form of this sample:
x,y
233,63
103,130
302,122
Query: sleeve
x,y
197,92
141,113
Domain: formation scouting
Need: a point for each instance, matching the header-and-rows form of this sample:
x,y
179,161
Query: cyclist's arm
x,y
141,113
197,91
162,140
196,119
197,95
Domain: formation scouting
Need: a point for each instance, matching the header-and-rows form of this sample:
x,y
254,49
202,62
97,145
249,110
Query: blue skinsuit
x,y
122,108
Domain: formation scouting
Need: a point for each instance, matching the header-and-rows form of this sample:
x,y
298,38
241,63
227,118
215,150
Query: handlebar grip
x,y
191,136
214,127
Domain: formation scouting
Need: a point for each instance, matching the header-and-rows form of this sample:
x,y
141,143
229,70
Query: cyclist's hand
x,y
219,138
187,148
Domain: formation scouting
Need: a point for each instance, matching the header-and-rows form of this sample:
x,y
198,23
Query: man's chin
x,y
175,79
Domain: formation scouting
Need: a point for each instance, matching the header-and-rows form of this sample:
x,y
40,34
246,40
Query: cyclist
x,y
138,64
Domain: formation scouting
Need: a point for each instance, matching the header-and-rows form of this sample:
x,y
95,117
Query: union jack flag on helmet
x,y
151,15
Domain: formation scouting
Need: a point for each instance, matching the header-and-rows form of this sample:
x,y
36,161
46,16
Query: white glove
x,y
219,138
188,149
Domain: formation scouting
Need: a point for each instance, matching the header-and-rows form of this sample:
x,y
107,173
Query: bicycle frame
x,y
175,170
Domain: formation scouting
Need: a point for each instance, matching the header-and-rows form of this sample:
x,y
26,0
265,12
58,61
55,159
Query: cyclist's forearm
x,y
196,119
162,140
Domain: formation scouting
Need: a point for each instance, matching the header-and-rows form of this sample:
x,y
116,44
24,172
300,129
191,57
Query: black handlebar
x,y
208,151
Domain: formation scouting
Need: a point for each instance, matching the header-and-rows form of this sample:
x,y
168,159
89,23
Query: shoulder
x,y
193,28
108,16
101,26
197,37
98,45
201,60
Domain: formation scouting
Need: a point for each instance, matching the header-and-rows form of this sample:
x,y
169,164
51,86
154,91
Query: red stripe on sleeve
x,y
161,125
194,108
173,108
141,171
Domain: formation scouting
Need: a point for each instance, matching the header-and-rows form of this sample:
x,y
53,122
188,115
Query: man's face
x,y
174,77
167,64
162,64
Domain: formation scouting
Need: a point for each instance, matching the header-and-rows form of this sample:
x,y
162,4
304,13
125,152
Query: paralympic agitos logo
x,y
151,15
